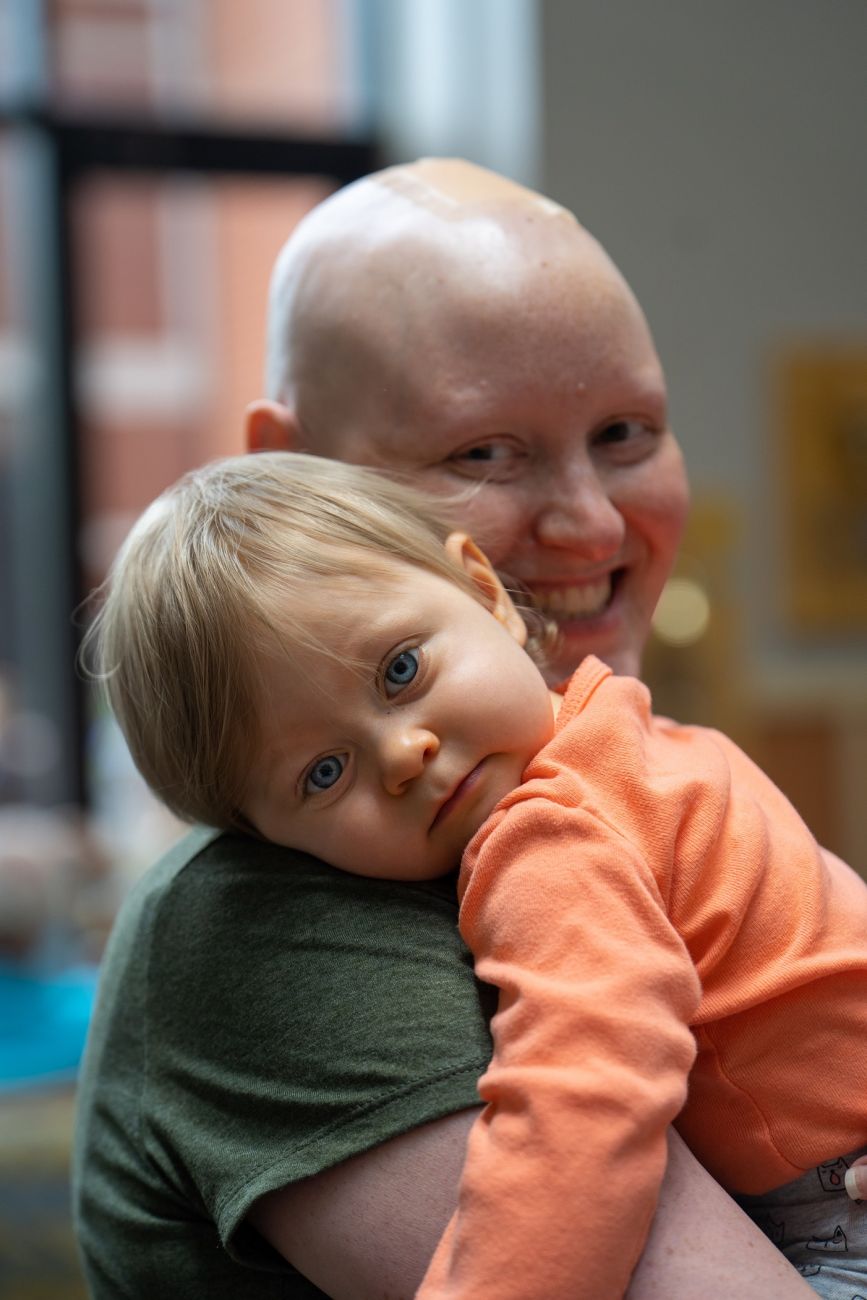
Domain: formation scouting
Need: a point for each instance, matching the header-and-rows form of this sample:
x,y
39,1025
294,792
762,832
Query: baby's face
x,y
521,364
385,759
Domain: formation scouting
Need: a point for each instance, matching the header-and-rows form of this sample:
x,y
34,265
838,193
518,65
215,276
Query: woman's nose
x,y
404,752
577,514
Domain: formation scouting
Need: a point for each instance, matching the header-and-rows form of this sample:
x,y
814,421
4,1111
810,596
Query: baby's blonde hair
x,y
213,572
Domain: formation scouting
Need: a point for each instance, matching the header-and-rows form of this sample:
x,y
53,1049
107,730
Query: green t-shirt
x,y
261,1017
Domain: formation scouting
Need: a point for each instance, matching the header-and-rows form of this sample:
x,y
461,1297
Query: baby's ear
x,y
462,550
270,426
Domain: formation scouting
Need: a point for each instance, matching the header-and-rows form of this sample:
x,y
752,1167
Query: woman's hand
x,y
856,1179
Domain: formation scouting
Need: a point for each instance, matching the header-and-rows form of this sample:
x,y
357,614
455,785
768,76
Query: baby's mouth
x,y
565,604
463,787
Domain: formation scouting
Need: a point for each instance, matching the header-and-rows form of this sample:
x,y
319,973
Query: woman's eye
x,y
487,452
488,460
324,773
400,671
633,435
620,431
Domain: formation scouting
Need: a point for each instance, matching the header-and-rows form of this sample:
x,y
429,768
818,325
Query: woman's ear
x,y
462,550
270,426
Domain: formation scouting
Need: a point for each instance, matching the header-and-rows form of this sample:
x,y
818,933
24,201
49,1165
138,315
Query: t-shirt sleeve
x,y
297,1016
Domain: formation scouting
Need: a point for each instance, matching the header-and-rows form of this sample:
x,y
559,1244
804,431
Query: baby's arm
x,y
592,1053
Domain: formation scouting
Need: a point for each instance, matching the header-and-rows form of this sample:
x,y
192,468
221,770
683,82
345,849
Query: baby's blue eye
x,y
401,670
325,772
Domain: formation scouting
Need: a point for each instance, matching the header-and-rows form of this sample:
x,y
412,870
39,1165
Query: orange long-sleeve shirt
x,y
668,941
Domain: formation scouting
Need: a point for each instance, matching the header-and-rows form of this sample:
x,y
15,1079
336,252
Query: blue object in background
x,y
43,1023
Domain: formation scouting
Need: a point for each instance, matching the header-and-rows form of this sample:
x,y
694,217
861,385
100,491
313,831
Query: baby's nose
x,y
405,752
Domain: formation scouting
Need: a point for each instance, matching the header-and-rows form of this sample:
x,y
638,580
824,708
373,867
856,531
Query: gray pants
x,y
818,1228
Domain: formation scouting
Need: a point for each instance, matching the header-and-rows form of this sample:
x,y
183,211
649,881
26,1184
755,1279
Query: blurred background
x,y
155,154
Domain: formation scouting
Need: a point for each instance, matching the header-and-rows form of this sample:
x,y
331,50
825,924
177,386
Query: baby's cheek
x,y
360,843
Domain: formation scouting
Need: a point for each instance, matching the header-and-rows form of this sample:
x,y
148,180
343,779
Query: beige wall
x,y
717,149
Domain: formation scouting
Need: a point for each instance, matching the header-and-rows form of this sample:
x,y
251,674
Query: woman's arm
x,y
701,1244
366,1229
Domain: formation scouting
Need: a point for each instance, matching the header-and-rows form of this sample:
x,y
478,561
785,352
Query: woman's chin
x,y
576,642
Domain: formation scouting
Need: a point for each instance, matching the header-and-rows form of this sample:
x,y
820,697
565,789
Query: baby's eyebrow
x,y
289,756
273,770
364,647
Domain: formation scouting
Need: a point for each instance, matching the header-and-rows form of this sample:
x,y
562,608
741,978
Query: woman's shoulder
x,y
218,904
232,949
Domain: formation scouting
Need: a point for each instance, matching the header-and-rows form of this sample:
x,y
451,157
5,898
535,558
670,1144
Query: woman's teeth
x,y
575,602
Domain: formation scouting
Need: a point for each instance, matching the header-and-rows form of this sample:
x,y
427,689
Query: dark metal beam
x,y
65,149
142,145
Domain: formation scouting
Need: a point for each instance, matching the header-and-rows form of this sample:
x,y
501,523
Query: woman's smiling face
x,y
519,361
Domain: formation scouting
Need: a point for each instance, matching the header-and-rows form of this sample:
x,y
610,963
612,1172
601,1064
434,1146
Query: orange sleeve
x,y
591,1054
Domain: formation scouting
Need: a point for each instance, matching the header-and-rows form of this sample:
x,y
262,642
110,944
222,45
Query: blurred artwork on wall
x,y
822,450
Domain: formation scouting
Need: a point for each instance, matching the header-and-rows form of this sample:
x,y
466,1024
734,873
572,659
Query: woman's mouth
x,y
585,600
